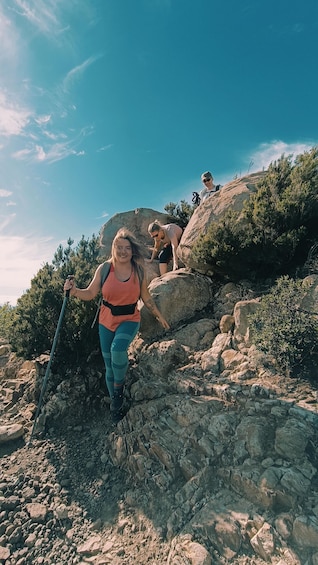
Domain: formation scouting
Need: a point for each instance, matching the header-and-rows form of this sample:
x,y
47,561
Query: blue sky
x,y
111,105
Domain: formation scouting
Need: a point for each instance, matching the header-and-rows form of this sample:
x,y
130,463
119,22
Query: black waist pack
x,y
120,310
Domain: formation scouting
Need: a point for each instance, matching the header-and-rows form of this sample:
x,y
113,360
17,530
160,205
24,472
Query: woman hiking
x,y
119,316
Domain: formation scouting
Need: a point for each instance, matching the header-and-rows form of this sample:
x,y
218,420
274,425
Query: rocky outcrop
x,y
231,197
233,444
214,462
137,221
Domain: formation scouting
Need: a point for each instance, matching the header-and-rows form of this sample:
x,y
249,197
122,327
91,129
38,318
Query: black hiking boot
x,y
116,406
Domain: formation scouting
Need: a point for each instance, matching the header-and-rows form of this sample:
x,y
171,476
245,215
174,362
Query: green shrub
x,y
179,213
282,329
7,313
38,309
278,224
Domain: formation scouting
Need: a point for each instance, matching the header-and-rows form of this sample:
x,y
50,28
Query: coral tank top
x,y
119,293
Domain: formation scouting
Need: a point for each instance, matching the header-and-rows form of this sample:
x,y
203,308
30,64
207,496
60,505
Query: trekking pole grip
x,y
70,278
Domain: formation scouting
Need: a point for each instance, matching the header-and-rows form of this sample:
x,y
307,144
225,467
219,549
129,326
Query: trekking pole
x,y
67,293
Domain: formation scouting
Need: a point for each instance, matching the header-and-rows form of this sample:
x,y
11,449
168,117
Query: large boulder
x,y
178,295
231,197
137,221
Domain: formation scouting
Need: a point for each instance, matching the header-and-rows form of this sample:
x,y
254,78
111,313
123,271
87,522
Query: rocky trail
x,y
63,501
214,463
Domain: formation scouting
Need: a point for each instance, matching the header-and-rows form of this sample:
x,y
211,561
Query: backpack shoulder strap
x,y
105,272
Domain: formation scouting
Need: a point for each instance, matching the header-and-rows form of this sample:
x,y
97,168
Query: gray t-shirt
x,y
205,193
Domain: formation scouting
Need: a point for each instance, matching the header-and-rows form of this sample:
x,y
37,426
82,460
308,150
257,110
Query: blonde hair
x,y
154,226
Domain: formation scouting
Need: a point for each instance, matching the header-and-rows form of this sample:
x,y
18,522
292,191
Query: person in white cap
x,y
209,187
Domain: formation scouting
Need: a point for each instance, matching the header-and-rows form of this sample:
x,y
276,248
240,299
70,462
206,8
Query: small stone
x,y
11,432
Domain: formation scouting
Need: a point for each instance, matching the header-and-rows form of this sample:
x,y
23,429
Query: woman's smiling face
x,y
122,250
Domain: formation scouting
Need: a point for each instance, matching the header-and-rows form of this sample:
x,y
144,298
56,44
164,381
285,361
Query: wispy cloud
x,y
41,143
50,17
38,124
266,153
40,154
55,152
42,120
76,73
105,147
4,193
42,14
6,220
54,136
22,154
9,38
13,119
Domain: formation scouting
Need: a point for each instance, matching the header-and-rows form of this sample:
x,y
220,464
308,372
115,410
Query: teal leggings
x,y
114,346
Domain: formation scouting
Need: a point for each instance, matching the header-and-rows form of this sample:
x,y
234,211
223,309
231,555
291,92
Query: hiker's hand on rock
x,y
163,322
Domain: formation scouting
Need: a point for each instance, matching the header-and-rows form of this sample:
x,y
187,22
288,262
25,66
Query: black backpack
x,y
196,198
